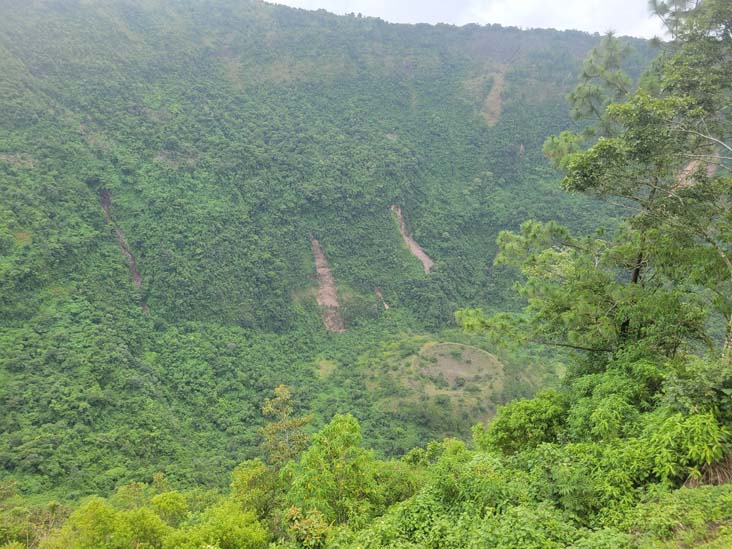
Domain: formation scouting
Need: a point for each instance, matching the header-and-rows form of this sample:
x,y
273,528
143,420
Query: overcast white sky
x,y
626,17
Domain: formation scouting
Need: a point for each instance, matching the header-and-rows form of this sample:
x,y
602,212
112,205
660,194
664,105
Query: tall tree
x,y
284,437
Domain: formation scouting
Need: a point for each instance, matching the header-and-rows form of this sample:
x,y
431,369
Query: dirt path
x,y
105,199
415,248
327,297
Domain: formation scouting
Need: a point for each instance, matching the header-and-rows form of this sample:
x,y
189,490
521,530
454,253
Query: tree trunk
x,y
635,275
727,350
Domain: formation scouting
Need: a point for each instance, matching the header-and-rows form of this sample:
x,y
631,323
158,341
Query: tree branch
x,y
570,346
708,137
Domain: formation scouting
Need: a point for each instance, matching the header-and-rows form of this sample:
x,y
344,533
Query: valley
x,y
272,277
220,140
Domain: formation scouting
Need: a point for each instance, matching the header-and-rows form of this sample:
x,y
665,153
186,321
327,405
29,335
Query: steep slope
x,y
227,132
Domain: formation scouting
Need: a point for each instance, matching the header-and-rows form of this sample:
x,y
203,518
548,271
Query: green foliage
x,y
602,80
252,486
684,445
335,475
219,136
689,517
310,530
551,495
524,424
283,437
209,143
225,526
172,507
97,524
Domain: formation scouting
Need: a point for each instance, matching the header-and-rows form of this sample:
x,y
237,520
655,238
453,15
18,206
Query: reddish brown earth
x,y
105,199
686,177
327,296
415,248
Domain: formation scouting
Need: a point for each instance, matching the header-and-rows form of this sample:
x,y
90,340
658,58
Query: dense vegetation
x,y
219,137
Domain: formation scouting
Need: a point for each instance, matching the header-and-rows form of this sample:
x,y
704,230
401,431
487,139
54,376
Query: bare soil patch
x,y
327,296
686,179
415,248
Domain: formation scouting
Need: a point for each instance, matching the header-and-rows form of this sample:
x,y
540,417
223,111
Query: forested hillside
x,y
224,133
165,165
234,236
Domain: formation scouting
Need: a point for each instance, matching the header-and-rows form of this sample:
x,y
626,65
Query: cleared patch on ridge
x,y
486,91
23,238
415,248
231,65
454,368
326,368
327,296
448,383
